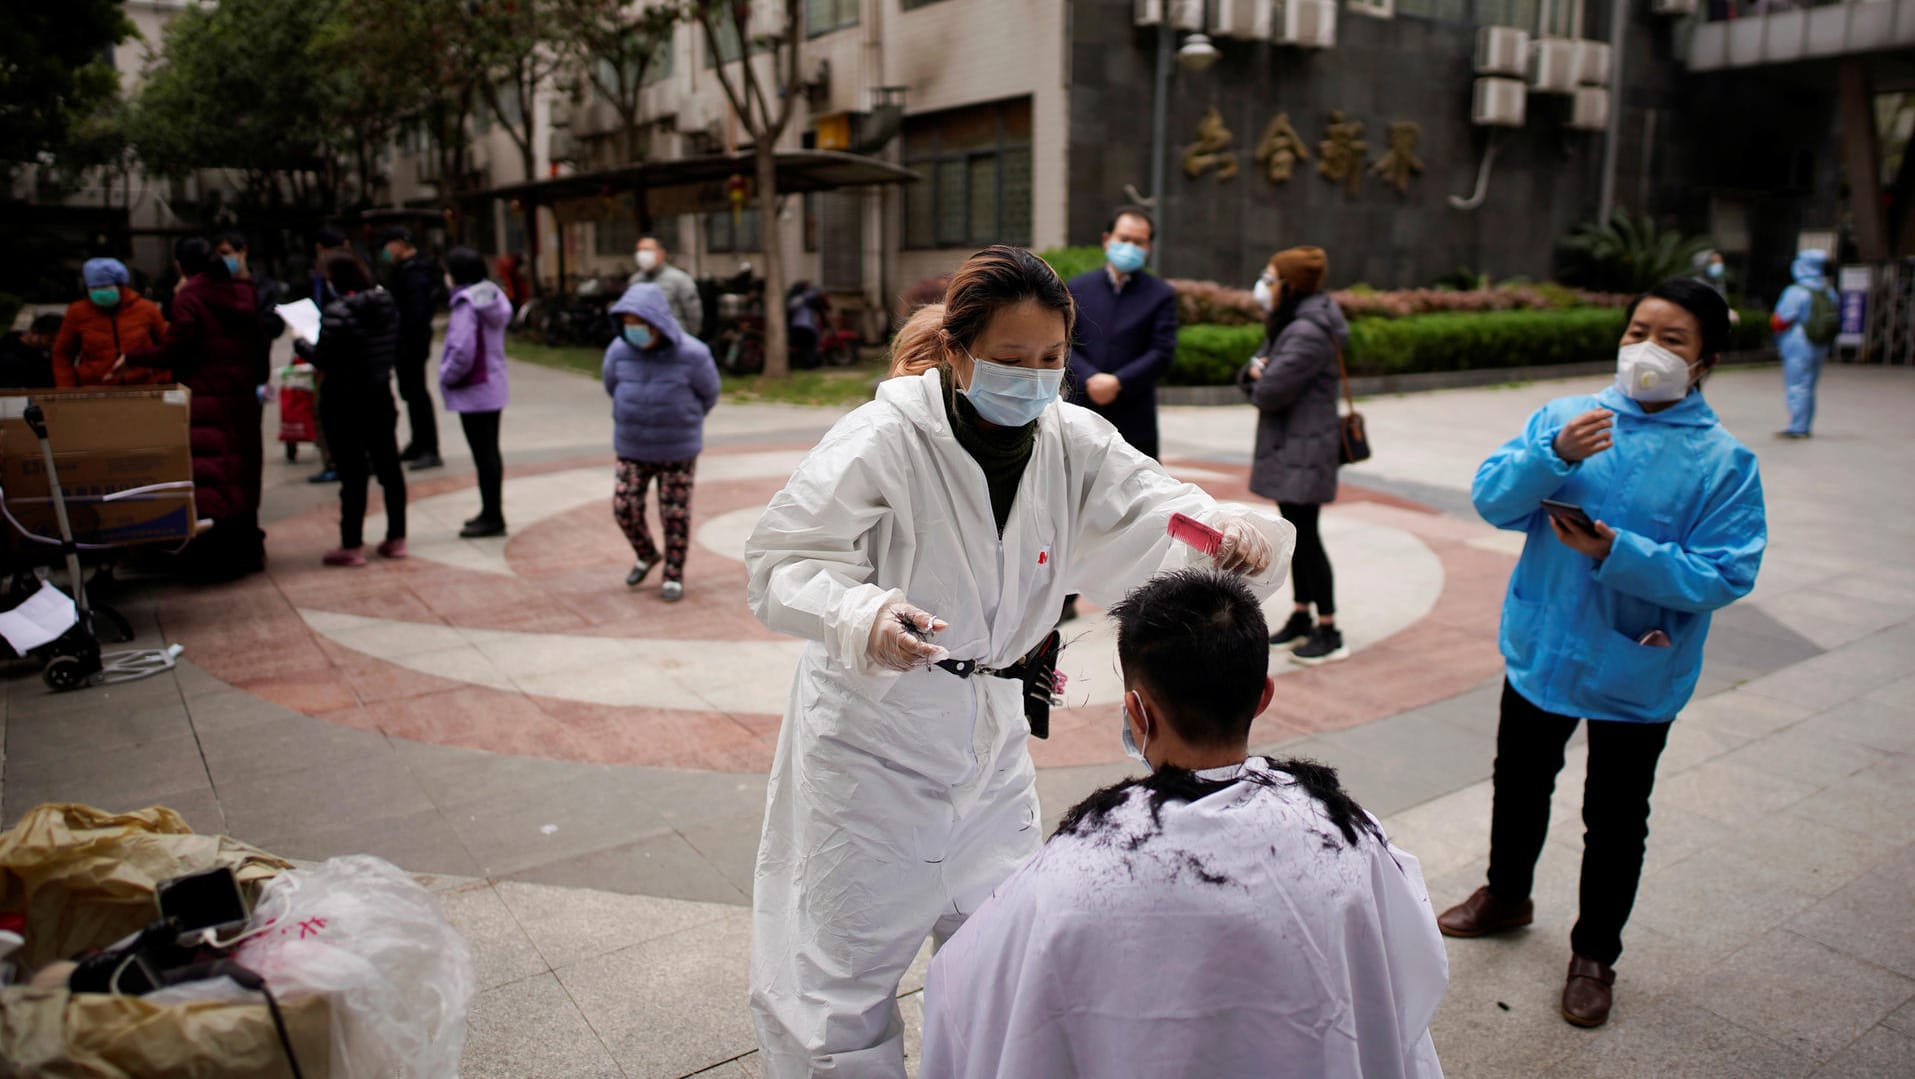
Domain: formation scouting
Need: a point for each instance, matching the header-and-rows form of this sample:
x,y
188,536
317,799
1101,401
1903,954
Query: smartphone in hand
x,y
1570,514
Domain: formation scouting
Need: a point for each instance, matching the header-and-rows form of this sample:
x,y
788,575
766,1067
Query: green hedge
x,y
1209,355
1072,261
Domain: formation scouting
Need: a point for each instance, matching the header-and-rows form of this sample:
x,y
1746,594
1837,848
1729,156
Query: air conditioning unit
x,y
1552,66
1309,23
1592,63
1182,14
1591,111
1248,20
1673,7
1499,102
1502,50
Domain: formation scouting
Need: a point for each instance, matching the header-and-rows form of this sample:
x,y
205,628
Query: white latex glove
x,y
1244,550
895,648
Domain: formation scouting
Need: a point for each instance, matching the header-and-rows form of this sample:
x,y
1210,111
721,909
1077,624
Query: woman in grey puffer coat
x,y
1293,382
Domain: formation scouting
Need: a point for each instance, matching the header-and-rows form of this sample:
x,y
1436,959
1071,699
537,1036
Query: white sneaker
x,y
673,591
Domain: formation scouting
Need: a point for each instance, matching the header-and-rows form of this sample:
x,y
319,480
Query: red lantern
x,y
735,191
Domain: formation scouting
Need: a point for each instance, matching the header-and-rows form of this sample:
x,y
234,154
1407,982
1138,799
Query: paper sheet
x,y
302,317
44,616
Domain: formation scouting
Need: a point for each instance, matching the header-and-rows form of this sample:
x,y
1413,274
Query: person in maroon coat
x,y
217,347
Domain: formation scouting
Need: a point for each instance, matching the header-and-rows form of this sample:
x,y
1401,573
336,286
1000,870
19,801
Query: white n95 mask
x,y
1651,374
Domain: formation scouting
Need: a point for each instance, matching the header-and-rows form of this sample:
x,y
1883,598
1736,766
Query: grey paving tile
x,y
125,778
34,698
1396,763
1716,902
1903,1019
911,1010
286,745
569,925
1678,1039
1747,713
1692,744
1899,694
1500,1015
1730,793
1806,755
1868,721
376,787
532,1028
1818,859
227,710
45,736
730,846
1882,1053
416,842
1676,833
671,1006
660,865
201,810
1731,643
501,950
548,825
1445,833
1869,919
1846,996
693,799
455,778
1869,802
1848,672
1719,676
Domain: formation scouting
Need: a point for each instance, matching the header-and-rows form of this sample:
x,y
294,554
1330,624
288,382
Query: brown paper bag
x,y
85,878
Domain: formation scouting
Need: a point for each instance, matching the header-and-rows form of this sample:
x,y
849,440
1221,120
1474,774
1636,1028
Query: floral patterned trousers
x,y
674,510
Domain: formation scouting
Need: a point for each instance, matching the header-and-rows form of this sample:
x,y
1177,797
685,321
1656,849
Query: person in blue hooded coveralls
x,y
1605,619
1801,355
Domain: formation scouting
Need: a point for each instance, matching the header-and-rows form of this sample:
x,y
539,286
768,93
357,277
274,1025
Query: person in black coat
x,y
418,286
1126,334
1293,381
359,335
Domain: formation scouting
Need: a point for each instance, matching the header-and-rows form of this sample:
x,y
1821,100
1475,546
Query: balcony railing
x,y
1749,33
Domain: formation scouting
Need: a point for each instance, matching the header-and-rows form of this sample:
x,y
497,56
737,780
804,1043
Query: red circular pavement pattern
x,y
567,578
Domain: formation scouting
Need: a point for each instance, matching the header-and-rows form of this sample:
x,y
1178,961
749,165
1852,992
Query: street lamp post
x,y
1196,54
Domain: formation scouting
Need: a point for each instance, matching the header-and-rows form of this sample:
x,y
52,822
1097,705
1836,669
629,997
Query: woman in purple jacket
x,y
663,383
472,378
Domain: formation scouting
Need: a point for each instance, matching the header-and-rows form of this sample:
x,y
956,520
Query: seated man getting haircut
x,y
1227,915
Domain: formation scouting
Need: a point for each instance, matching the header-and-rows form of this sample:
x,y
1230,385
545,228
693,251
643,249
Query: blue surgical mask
x,y
232,264
1131,748
1125,257
1012,396
105,297
638,336
1715,271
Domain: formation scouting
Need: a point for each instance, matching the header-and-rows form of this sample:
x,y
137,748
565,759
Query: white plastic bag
x,y
361,932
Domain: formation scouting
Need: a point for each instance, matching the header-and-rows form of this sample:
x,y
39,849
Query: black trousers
x,y
482,435
1622,770
363,432
1310,576
421,413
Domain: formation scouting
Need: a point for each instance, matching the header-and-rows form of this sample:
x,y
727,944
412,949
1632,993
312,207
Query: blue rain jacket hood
x,y
1810,271
1685,499
660,395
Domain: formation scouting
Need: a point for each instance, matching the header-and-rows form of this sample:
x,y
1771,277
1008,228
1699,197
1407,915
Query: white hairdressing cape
x,y
1242,936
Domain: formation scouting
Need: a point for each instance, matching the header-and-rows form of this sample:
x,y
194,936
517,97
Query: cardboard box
x,y
124,458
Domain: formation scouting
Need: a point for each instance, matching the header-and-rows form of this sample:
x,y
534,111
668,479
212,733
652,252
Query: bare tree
x,y
765,102
615,50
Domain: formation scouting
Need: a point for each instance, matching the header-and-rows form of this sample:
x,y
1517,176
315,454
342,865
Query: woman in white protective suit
x,y
924,548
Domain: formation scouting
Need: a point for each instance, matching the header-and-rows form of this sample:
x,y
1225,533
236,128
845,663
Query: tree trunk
x,y
777,335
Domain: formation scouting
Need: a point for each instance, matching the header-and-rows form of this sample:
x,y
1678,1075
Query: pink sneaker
x,y
393,548
345,556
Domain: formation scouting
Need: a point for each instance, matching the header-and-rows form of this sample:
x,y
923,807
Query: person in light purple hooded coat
x,y
663,384
472,378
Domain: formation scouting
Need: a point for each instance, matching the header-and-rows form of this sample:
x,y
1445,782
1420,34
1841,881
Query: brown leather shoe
x,y
1482,914
1589,993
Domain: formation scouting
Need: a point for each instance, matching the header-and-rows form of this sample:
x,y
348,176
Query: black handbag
x,y
1353,437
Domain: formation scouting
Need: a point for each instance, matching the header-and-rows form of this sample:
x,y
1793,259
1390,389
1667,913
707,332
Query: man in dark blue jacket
x,y
1126,332
418,284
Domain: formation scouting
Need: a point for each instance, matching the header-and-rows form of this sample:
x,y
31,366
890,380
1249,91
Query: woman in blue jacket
x,y
1605,617
663,383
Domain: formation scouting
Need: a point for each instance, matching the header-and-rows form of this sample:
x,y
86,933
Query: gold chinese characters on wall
x,y
1342,155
